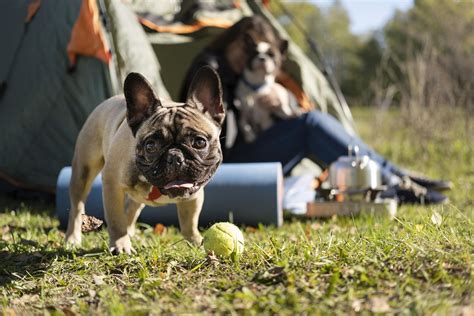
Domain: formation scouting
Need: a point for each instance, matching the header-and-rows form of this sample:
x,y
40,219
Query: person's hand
x,y
269,101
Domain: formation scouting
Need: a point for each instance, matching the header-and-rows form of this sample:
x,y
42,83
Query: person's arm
x,y
282,103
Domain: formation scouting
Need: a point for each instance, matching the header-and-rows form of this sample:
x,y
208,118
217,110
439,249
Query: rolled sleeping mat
x,y
246,193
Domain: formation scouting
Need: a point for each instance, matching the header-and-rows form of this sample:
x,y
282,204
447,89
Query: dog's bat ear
x,y
141,100
283,47
205,93
249,40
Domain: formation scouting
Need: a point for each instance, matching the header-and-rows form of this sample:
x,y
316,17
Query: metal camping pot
x,y
354,172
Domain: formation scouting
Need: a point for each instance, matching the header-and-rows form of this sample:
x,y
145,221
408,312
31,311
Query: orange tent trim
x,y
290,84
187,28
216,22
33,7
87,38
283,78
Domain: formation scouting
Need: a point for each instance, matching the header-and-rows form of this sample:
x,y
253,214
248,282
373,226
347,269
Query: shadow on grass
x,y
18,265
22,258
35,204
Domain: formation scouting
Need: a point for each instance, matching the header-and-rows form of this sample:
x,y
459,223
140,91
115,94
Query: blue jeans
x,y
314,135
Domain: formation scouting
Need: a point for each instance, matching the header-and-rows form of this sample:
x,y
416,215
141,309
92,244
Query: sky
x,y
368,15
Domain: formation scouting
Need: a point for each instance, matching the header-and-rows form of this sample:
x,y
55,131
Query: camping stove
x,y
354,195
354,186
330,202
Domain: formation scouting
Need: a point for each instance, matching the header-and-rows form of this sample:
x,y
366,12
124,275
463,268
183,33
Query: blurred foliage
x,y
353,59
308,15
430,54
428,48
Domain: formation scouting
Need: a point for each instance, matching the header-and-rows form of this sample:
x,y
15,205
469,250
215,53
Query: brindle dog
x,y
150,151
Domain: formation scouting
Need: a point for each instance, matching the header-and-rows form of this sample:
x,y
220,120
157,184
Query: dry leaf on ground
x,y
159,229
90,223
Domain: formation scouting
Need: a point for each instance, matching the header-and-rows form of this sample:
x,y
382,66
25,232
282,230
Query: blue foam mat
x,y
250,193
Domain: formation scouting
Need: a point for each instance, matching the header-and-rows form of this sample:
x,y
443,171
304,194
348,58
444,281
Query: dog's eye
x,y
199,142
150,146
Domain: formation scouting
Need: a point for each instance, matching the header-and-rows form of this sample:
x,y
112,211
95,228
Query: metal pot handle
x,y
353,150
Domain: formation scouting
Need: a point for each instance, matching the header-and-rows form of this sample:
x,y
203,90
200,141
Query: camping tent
x,y
197,25
57,63
62,58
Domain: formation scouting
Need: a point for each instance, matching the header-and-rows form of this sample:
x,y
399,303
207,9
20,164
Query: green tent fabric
x,y
176,51
43,105
132,51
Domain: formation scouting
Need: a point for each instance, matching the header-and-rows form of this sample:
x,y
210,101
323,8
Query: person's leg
x,y
284,142
329,140
315,135
323,139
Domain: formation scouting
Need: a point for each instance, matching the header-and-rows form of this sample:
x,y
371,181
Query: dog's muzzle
x,y
175,158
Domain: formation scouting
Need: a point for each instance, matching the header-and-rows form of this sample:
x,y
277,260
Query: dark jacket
x,y
229,79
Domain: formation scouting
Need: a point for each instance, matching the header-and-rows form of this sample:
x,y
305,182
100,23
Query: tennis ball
x,y
224,239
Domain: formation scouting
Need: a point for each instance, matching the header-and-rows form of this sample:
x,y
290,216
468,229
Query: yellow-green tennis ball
x,y
224,239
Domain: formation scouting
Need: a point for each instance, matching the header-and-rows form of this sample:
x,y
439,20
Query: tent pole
x,y
4,81
327,69
113,66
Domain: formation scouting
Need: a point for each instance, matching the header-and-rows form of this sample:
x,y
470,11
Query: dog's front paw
x,y
122,245
73,238
195,239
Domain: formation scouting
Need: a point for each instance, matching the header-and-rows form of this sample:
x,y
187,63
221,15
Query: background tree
x,y
350,57
308,15
423,57
431,54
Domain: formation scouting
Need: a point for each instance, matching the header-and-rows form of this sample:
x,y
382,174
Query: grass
x,y
370,264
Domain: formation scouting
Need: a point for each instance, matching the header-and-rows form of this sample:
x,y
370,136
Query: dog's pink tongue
x,y
179,184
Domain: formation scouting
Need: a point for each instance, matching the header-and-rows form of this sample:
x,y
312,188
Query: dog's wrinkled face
x,y
178,148
233,42
264,58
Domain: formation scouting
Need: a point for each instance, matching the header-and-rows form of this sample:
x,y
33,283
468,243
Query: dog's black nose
x,y
175,157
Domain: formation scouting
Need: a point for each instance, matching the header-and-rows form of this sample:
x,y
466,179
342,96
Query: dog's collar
x,y
254,87
154,194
